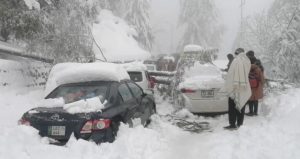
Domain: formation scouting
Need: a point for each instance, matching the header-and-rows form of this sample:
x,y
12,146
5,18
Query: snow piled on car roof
x,y
202,76
65,73
134,66
192,48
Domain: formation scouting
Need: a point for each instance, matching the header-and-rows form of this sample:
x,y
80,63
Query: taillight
x,y
101,124
24,122
185,90
93,125
87,127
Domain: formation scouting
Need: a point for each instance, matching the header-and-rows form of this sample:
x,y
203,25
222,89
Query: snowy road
x,y
274,134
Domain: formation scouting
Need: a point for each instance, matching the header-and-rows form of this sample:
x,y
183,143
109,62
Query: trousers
x,y
236,117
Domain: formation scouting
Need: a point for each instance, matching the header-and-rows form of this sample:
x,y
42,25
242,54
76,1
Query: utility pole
x,y
242,16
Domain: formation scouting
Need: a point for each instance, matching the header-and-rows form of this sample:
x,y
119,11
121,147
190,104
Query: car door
x,y
128,101
143,107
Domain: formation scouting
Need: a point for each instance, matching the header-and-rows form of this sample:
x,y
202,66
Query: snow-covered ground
x,y
274,134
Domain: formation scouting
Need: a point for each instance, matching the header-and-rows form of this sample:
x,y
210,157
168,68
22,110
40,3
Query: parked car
x,y
139,74
97,97
202,89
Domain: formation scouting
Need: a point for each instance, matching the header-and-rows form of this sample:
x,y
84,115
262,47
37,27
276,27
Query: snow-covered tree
x,y
136,13
275,38
200,22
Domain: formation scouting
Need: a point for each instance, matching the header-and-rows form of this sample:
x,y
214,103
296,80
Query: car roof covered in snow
x,y
192,48
65,73
134,66
202,76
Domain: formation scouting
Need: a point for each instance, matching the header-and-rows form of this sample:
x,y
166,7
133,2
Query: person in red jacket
x,y
256,88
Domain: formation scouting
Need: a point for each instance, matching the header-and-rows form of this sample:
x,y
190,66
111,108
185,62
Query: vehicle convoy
x,y
90,101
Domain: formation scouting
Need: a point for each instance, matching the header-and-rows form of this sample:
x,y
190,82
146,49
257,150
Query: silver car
x,y
202,89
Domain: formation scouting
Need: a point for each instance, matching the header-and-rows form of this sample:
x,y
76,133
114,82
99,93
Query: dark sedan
x,y
123,102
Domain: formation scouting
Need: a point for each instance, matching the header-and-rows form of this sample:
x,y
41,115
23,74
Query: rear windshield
x,y
72,93
136,76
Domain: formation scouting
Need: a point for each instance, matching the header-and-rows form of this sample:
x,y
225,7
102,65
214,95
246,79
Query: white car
x,y
139,74
202,89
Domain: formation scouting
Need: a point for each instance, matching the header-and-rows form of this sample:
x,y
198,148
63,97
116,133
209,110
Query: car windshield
x,y
75,92
136,76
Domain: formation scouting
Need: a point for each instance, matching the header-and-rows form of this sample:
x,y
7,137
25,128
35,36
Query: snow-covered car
x,y
202,89
139,74
90,101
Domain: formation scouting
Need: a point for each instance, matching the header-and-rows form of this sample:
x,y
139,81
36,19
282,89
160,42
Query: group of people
x,y
244,84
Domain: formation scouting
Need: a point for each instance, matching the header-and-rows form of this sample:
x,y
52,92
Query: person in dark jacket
x,y
230,58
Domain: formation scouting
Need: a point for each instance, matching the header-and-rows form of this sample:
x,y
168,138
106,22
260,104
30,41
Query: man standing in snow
x,y
238,87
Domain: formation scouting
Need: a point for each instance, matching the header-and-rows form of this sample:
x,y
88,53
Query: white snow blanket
x,y
202,76
116,39
65,73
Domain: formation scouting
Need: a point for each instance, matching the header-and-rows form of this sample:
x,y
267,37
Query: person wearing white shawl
x,y
238,88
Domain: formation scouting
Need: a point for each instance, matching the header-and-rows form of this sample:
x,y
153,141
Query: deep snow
x,y
274,134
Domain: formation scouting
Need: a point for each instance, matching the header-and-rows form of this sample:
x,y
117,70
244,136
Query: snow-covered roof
x,y
192,48
65,73
134,66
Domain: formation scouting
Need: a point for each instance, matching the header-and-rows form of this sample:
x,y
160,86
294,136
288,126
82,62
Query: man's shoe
x,y
230,127
249,114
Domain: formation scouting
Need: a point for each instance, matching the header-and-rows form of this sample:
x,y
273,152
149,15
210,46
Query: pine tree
x,y
200,23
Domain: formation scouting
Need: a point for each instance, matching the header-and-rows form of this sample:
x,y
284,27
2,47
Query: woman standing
x,y
256,79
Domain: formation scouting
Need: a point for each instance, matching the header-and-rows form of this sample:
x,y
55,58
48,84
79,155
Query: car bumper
x,y
207,105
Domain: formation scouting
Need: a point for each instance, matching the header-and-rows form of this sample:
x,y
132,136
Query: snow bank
x,y
116,39
202,76
192,48
65,73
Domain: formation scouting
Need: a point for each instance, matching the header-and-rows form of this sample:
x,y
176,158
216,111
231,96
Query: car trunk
x,y
56,123
205,94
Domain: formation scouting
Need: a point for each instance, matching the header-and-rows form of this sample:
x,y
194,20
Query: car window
x,y
136,90
73,93
125,92
136,76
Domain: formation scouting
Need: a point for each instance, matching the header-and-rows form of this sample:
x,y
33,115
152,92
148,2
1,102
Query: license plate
x,y
57,130
207,93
